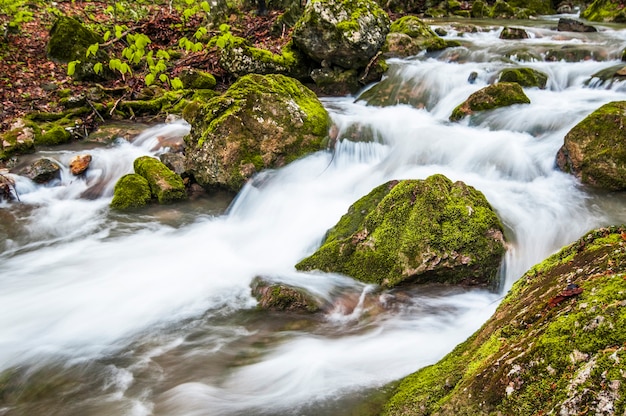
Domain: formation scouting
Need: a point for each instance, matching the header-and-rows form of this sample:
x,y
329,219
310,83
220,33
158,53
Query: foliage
x,y
139,54
17,12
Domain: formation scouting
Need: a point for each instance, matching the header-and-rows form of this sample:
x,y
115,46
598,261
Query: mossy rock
x,y
131,191
240,58
165,185
194,79
526,77
54,136
260,122
608,75
18,140
420,37
513,33
595,149
283,297
545,350
69,41
605,11
576,53
479,9
498,95
502,10
415,231
345,33
533,7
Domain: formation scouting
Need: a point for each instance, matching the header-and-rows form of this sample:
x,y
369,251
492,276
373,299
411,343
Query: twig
x,y
96,111
369,66
115,105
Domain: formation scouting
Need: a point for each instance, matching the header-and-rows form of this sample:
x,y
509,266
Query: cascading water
x,y
105,313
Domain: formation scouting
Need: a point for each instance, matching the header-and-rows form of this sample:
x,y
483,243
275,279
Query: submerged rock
x,y
571,25
595,149
131,191
43,170
493,96
283,297
536,357
415,231
261,122
513,33
345,33
526,77
608,75
165,185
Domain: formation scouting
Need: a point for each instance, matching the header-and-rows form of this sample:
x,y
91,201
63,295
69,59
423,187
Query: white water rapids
x,y
151,313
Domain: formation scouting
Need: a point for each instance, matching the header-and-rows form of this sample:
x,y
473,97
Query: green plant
x,y
17,12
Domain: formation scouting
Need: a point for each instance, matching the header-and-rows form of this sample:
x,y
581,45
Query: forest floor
x,y
29,81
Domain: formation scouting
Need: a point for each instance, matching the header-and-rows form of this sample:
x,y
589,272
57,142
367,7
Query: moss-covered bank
x,y
532,358
415,231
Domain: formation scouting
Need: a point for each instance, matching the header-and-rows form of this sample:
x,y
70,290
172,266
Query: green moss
x,y
56,135
586,148
526,77
414,231
197,80
533,7
493,96
480,9
164,184
260,122
131,191
605,11
502,10
532,358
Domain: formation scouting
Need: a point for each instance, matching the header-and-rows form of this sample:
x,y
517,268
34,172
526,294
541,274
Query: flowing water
x,y
105,313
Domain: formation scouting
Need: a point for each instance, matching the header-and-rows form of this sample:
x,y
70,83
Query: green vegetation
x,y
415,231
533,358
584,152
605,11
493,96
165,185
131,191
526,77
247,140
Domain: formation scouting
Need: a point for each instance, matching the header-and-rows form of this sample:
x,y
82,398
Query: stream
x,y
151,313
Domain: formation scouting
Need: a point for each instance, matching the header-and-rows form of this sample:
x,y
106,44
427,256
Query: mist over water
x,y
151,313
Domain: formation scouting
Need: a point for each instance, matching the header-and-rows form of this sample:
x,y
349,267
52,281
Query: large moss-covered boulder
x,y
260,122
409,35
493,96
165,185
605,11
595,149
345,33
131,191
415,231
526,77
546,350
69,40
